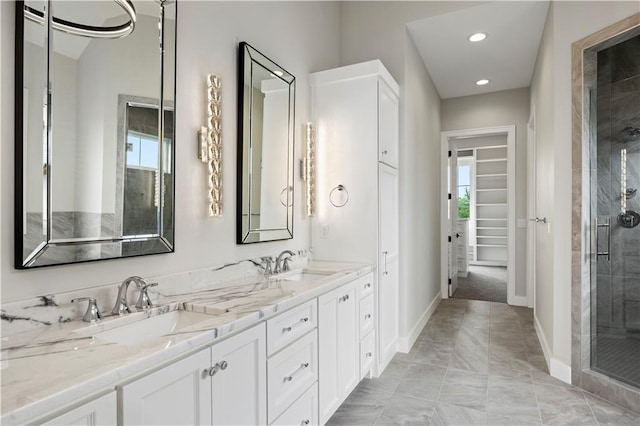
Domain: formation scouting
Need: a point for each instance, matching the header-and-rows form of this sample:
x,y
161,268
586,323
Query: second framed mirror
x,y
266,104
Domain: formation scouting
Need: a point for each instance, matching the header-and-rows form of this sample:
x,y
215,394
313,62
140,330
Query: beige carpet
x,y
483,283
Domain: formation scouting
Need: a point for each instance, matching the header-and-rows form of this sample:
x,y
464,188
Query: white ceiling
x,y
506,57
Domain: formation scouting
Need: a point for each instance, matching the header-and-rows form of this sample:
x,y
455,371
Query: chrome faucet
x,y
282,261
122,307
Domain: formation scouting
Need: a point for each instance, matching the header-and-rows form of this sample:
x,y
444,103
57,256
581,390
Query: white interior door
x,y
452,223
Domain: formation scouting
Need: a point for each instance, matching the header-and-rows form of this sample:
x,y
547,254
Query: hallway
x,y
475,363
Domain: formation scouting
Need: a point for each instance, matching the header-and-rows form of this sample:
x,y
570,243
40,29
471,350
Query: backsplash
x,y
51,309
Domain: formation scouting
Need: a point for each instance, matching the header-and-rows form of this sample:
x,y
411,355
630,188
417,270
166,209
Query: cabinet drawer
x,y
302,412
366,315
365,285
290,373
288,326
367,354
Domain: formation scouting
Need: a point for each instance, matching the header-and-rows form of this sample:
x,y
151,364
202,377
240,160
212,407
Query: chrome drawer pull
x,y
302,321
302,367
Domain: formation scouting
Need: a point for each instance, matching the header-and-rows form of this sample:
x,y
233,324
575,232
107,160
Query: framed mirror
x,y
95,90
266,104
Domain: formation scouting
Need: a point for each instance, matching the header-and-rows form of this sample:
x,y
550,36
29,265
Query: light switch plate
x,y
324,230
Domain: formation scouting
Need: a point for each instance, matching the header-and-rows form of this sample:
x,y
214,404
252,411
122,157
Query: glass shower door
x,y
615,208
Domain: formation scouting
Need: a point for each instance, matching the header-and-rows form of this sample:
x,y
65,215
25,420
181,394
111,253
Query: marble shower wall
x,y
618,110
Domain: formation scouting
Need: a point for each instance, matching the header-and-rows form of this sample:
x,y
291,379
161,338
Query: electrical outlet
x,y
324,230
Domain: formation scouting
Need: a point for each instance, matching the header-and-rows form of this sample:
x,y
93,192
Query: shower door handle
x,y
607,226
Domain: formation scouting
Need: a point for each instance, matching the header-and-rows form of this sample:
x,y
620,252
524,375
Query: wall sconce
x,y
309,167
210,145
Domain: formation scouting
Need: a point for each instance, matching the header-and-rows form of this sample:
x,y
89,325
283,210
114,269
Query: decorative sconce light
x,y
210,144
309,167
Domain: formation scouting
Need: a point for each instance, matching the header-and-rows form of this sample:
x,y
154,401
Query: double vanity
x,y
278,349
246,345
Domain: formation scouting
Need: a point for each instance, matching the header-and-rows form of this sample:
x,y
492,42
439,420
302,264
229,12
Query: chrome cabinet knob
x,y
211,371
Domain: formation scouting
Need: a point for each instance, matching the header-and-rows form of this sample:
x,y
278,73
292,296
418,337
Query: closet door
x,y
388,271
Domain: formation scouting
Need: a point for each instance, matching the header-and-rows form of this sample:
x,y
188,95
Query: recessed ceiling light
x,y
482,82
477,37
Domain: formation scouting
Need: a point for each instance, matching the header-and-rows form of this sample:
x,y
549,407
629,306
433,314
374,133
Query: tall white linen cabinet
x,y
355,111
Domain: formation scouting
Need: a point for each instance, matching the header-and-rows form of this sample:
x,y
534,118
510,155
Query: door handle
x,y
607,226
538,220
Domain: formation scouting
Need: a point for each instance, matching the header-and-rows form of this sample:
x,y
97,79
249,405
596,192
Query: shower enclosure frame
x,y
583,79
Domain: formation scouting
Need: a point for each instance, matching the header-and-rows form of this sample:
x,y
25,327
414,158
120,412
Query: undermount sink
x,y
145,329
306,275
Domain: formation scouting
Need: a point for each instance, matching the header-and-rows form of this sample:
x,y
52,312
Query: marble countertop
x,y
47,368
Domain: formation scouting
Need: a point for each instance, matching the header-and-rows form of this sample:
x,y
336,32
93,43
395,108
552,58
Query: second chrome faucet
x,y
121,306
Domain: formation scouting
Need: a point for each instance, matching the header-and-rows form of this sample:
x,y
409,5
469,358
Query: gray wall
x,y
302,36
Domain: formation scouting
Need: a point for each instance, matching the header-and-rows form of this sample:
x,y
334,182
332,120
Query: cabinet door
x,y
100,411
338,348
240,389
177,394
387,314
388,129
388,271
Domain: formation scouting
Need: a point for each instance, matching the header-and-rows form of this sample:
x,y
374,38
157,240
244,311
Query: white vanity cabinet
x,y
356,112
292,366
99,412
221,385
338,342
240,390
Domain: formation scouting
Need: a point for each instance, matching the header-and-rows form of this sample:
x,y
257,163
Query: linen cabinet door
x,y
177,394
388,125
338,344
240,380
388,275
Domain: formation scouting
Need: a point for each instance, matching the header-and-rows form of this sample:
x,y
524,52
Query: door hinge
x,y
449,237
449,281
449,196
450,153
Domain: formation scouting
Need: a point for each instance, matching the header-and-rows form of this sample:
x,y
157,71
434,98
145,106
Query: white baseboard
x,y
557,368
405,343
560,370
519,301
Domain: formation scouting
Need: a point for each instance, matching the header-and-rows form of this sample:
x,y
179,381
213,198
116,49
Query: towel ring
x,y
286,203
332,195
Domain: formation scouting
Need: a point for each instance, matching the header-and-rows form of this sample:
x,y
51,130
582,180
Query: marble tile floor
x,y
475,363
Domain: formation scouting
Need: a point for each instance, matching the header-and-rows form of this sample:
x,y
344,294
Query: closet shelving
x,y
491,205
